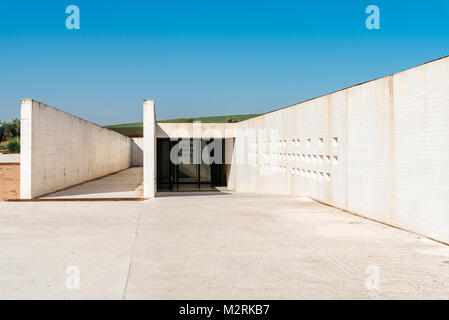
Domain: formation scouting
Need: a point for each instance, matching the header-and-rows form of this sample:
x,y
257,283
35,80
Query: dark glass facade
x,y
198,170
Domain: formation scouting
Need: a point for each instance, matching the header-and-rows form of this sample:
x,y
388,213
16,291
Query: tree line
x,y
10,130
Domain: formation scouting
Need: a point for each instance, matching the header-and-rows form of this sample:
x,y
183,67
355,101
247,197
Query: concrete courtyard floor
x,y
212,246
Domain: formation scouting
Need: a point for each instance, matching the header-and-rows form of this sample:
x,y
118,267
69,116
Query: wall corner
x,y
149,152
26,113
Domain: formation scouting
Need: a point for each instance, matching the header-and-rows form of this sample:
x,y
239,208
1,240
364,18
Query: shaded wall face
x,y
59,150
137,152
378,149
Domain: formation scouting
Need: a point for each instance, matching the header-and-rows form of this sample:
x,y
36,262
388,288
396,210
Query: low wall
x,y
59,150
378,149
10,158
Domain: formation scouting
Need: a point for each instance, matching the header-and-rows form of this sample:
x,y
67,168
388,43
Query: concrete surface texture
x,y
10,158
378,149
59,150
212,246
123,184
137,152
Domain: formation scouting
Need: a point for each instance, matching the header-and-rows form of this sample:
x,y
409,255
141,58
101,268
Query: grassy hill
x,y
136,129
215,119
128,129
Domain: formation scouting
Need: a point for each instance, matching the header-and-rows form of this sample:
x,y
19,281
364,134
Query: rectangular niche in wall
x,y
335,141
334,160
320,142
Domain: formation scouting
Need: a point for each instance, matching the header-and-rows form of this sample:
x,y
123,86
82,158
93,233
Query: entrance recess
x,y
195,174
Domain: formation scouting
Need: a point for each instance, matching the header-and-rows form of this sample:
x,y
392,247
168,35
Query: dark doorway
x,y
196,174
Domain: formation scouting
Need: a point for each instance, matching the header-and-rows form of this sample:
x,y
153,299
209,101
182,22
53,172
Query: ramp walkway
x,y
120,185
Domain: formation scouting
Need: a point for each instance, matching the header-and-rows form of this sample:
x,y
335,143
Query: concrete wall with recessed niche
x,y
378,149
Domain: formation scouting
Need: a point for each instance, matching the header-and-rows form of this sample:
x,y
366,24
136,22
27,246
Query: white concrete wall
x,y
137,145
149,150
59,150
390,161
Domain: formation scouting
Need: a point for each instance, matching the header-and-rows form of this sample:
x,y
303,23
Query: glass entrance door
x,y
192,173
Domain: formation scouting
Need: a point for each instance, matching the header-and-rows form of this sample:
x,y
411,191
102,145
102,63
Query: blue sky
x,y
199,58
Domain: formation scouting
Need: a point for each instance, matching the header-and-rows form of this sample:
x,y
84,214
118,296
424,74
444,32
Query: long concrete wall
x,y
379,149
59,150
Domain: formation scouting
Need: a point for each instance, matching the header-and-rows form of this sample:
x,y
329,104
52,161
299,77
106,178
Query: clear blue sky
x,y
199,58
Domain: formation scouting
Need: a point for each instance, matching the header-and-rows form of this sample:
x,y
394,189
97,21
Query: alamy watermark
x,y
373,20
73,20
372,282
254,147
72,280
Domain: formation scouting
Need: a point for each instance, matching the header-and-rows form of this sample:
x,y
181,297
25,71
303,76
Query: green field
x,y
136,129
216,119
128,129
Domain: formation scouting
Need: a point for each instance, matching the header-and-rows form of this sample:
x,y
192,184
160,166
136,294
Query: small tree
x,y
16,123
13,146
11,129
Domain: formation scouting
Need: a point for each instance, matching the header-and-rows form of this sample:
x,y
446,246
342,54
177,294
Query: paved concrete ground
x,y
124,184
212,246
